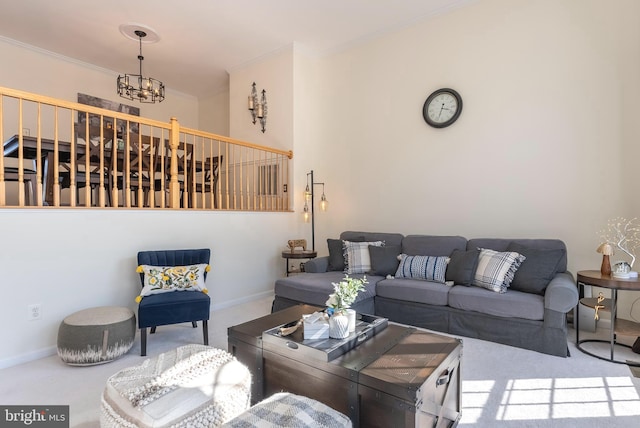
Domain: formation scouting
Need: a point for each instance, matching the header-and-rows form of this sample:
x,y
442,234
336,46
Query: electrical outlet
x,y
26,132
34,312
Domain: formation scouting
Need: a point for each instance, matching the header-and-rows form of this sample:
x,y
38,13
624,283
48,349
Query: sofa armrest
x,y
317,265
561,294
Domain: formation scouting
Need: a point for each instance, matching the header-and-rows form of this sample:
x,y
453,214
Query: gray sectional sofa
x,y
531,314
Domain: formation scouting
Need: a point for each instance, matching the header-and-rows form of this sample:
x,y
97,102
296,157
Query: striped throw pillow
x,y
428,268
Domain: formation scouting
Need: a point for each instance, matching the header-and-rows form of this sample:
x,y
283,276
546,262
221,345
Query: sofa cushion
x,y
336,253
509,304
356,256
429,268
413,290
314,288
537,270
387,238
462,266
501,244
429,245
496,269
384,260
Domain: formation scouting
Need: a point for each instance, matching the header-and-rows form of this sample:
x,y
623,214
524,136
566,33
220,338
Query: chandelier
x,y
135,86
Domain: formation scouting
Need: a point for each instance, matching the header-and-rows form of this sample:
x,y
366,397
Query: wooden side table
x,y
618,326
297,254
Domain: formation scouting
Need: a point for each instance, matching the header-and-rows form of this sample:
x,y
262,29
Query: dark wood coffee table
x,y
401,377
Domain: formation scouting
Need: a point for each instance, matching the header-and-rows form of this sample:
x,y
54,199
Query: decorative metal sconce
x,y
258,108
308,197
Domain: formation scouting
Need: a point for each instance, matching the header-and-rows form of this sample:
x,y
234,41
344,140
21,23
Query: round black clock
x,y
442,108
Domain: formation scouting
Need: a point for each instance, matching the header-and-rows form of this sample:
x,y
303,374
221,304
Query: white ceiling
x,y
201,40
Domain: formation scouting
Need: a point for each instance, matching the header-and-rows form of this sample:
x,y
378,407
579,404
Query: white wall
x,y
274,74
550,92
68,260
214,113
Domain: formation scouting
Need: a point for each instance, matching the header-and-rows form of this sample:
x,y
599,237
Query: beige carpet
x,y
503,387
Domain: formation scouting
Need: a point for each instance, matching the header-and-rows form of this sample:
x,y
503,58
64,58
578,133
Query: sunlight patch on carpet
x,y
551,398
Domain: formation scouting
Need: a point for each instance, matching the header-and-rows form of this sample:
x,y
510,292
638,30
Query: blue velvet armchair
x,y
177,306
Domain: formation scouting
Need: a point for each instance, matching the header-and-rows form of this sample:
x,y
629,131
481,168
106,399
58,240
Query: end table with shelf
x,y
620,327
297,255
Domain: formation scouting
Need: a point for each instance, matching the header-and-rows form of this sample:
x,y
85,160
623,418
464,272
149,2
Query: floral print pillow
x,y
163,279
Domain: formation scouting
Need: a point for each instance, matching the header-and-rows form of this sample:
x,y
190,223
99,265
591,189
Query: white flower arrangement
x,y
345,293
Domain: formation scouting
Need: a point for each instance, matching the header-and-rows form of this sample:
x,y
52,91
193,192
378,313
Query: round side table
x,y
297,254
618,326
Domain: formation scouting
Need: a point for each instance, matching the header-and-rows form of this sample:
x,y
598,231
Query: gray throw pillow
x,y
384,260
462,266
336,253
537,270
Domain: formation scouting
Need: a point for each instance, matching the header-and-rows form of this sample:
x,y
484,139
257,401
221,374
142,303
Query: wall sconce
x,y
258,108
309,198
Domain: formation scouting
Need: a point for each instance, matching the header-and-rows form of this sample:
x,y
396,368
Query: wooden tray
x,y
296,347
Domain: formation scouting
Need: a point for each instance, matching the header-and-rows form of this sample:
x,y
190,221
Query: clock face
x,y
442,108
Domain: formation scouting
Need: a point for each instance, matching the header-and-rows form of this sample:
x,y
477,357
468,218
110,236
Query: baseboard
x,y
28,357
242,300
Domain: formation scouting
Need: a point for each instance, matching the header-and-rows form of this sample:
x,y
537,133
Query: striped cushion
x,y
495,269
356,256
429,268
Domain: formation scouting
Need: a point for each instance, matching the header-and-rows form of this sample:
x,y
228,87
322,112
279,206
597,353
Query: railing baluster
x,y
72,187
3,194
56,163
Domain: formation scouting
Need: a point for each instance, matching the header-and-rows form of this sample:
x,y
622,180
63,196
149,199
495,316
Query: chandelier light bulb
x,y
323,203
307,194
306,214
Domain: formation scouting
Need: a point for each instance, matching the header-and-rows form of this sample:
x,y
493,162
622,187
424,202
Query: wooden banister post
x,y
174,186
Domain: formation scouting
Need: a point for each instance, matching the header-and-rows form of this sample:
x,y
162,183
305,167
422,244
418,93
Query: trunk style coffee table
x,y
401,377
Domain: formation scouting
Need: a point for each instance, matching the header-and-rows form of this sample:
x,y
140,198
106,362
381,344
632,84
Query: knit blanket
x,y
215,376
291,411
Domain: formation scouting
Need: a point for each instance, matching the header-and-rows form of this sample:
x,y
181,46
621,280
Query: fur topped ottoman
x,y
191,386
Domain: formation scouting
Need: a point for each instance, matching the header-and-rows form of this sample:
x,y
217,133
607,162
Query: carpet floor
x,y
502,386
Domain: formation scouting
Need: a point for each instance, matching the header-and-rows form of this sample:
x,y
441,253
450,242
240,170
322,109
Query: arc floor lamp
x,y
309,200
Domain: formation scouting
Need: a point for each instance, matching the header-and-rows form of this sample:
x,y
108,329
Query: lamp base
x,y
605,268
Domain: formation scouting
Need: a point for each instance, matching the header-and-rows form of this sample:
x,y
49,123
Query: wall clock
x,y
442,108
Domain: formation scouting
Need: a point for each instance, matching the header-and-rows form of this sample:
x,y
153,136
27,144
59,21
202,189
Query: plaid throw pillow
x,y
428,268
356,256
495,270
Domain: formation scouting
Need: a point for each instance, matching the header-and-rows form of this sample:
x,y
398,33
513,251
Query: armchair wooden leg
x,y
194,324
153,330
205,331
143,342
